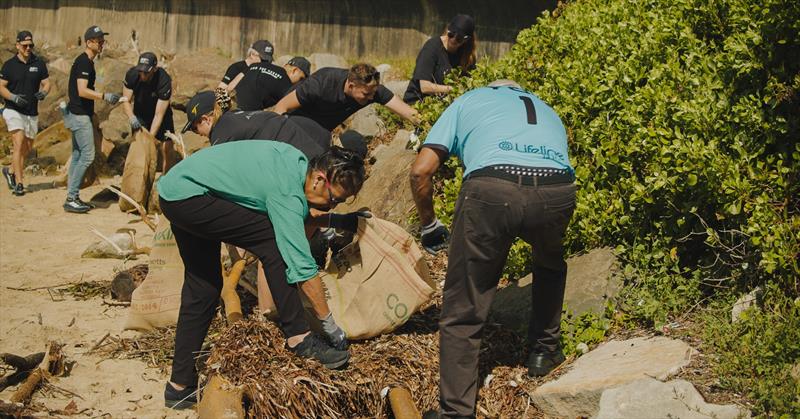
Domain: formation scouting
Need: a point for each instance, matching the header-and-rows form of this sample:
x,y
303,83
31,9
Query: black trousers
x,y
200,224
490,214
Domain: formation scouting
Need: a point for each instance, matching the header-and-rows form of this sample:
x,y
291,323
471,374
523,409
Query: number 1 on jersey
x,y
529,109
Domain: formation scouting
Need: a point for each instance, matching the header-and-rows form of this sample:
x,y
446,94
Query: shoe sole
x,y
179,404
74,211
337,364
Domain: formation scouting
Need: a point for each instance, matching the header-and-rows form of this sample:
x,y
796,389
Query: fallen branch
x,y
53,364
139,208
99,342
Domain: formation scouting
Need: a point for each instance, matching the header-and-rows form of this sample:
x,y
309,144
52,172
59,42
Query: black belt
x,y
528,176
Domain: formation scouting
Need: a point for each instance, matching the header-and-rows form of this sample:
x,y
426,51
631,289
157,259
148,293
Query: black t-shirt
x,y
147,94
262,86
433,63
24,79
322,98
82,68
299,132
234,70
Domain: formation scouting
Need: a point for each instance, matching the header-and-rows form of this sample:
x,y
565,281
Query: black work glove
x,y
40,95
435,237
19,100
349,221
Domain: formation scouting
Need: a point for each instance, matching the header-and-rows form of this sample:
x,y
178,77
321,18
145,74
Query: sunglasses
x,y
374,76
459,38
29,46
332,200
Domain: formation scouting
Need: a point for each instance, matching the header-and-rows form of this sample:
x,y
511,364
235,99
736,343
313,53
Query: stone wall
x,y
351,28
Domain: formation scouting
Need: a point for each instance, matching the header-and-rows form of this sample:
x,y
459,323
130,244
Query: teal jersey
x,y
501,125
265,176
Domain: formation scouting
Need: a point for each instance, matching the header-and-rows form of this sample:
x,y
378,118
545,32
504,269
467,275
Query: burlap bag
x,y
140,170
157,301
376,283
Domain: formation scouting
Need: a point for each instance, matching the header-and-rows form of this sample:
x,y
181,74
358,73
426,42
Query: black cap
x,y
354,141
201,104
23,35
462,25
94,32
264,49
147,61
302,64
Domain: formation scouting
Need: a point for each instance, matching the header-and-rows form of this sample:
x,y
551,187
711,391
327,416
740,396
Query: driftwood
x,y
403,404
51,366
22,367
139,208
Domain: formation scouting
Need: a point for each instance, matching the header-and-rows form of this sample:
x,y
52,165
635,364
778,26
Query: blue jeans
x,y
82,150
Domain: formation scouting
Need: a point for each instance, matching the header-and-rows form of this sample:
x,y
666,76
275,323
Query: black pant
x,y
200,224
490,213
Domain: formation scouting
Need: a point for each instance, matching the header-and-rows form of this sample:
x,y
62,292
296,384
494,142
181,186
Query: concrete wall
x,y
351,28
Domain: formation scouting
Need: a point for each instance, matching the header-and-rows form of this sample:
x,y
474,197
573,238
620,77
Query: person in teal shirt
x,y
256,195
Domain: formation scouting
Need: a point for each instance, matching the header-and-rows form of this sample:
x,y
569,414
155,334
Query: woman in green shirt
x,y
256,195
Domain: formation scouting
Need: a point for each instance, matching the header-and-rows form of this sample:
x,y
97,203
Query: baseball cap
x,y
354,141
93,32
23,35
302,64
199,105
462,25
264,49
147,61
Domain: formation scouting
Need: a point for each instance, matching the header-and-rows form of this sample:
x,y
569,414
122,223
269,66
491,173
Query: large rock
x,y
398,87
367,122
612,364
49,113
651,398
110,75
55,141
321,60
387,191
591,282
191,73
116,128
193,141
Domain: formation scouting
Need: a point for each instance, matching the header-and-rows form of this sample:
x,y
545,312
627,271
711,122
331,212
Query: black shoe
x,y
19,190
75,206
314,347
432,414
88,204
10,178
541,363
180,399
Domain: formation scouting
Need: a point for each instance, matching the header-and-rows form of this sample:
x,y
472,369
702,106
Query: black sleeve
x,y
83,67
309,91
4,73
426,63
131,78
232,71
383,95
164,88
43,73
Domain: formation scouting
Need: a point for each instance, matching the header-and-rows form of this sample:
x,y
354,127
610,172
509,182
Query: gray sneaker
x,y
19,190
10,178
314,347
74,205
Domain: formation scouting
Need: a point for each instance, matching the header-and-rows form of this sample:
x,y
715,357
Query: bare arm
x,y
431,88
44,85
85,92
399,107
161,109
127,105
422,171
316,296
235,82
287,104
4,90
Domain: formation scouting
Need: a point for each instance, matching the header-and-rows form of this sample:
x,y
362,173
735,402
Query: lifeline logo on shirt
x,y
34,69
543,151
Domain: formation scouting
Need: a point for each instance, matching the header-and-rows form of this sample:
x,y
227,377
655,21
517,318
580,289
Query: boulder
x,y
321,60
198,71
367,122
384,70
591,282
49,113
612,364
398,87
193,141
110,75
116,128
389,173
652,398
56,142
745,302
283,59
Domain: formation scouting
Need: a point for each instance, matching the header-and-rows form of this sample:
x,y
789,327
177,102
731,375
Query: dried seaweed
x,y
87,289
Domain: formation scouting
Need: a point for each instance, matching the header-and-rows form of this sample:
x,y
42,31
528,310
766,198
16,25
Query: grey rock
x,y
398,87
283,59
367,122
321,60
117,128
582,348
745,302
104,250
612,364
383,69
591,283
652,398
390,173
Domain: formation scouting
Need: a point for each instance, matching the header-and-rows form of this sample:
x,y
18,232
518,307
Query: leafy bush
x,y
683,120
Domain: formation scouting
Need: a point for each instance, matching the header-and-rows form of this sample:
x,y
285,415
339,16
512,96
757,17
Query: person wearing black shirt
x,y
24,81
331,95
79,116
264,84
260,51
455,48
148,89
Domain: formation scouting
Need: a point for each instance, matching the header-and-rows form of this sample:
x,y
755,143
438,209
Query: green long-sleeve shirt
x,y
265,176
